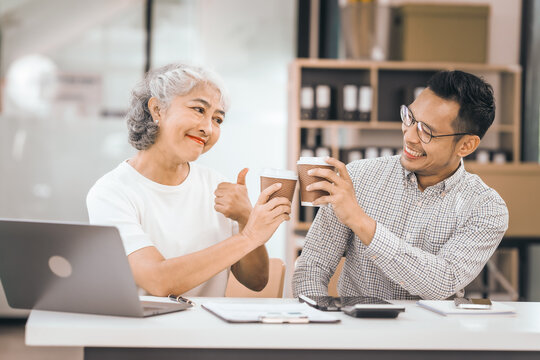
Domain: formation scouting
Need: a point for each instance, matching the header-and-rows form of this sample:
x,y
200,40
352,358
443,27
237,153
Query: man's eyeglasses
x,y
424,132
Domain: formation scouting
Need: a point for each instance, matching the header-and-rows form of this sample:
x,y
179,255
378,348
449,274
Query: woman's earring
x,y
157,121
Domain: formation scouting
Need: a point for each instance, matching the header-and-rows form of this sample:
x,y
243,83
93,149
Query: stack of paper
x,y
445,307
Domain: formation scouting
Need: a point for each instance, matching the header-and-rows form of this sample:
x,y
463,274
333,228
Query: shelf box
x,y
435,32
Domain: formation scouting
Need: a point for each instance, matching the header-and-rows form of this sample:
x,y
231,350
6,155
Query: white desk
x,y
417,333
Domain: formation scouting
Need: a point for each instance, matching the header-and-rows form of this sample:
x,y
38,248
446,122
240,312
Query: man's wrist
x,y
363,226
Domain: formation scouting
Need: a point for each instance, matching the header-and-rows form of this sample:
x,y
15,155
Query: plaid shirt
x,y
428,244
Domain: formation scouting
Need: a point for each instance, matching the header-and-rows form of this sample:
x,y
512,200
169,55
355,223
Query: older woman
x,y
177,239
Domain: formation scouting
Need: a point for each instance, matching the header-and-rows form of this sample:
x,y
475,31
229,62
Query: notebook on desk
x,y
295,313
71,267
447,307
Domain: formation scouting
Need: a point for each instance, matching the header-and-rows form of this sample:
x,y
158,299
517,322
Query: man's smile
x,y
412,154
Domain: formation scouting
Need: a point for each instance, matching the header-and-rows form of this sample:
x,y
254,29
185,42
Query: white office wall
x,y
50,161
252,53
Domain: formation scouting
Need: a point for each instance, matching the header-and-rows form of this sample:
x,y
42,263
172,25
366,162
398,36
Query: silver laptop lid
x,y
66,267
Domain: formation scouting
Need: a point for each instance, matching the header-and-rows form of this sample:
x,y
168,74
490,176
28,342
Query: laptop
x,y
70,267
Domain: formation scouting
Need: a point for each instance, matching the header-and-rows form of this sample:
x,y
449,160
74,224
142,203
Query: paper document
x,y
268,313
447,307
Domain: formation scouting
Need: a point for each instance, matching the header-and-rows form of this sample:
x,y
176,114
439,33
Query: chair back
x,y
332,284
273,289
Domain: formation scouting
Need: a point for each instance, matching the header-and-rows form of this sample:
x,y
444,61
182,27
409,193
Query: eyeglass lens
x,y
424,132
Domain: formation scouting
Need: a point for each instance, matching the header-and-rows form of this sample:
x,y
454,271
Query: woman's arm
x,y
252,269
160,276
232,201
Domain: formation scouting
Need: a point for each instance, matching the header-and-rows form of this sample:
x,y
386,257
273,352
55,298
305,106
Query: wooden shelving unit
x,y
384,125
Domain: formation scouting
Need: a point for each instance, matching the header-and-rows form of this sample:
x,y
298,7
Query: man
x,y
416,225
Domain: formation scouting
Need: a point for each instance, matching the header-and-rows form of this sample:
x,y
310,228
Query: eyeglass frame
x,y
420,124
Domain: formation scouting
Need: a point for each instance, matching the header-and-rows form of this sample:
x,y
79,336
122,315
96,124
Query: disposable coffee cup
x,y
287,179
304,164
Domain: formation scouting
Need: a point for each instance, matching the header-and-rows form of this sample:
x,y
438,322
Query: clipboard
x,y
268,313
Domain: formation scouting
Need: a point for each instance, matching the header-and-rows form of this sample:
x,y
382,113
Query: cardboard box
x,y
446,33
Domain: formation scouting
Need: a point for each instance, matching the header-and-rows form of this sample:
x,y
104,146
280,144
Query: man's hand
x,y
232,199
343,199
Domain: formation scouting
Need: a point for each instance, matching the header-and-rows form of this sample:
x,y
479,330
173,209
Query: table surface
x,y
415,329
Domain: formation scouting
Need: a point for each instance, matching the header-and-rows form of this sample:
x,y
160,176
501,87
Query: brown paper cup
x,y
304,165
286,178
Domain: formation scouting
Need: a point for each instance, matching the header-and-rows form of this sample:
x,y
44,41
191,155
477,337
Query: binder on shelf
x,y
386,152
499,157
323,102
482,156
354,155
365,100
322,152
350,102
327,138
309,138
307,153
372,152
307,100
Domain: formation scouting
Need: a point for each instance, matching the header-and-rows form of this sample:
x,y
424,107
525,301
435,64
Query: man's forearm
x,y
363,226
428,275
308,280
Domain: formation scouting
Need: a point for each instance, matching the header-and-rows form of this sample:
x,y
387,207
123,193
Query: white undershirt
x,y
177,220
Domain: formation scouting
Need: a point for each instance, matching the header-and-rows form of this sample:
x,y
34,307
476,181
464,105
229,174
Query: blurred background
x,y
67,67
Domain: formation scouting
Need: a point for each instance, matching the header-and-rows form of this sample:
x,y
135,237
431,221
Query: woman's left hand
x,y
232,199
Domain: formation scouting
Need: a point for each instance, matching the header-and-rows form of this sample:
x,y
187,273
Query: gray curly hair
x,y
164,84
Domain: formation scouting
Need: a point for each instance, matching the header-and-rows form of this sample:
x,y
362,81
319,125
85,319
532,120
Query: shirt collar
x,y
409,178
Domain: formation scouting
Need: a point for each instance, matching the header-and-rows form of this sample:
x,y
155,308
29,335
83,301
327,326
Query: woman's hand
x,y
232,199
266,216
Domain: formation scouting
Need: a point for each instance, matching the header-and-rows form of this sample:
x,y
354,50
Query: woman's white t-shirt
x,y
177,220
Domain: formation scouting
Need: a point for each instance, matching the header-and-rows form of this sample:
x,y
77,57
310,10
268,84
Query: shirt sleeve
x,y
325,244
460,260
111,206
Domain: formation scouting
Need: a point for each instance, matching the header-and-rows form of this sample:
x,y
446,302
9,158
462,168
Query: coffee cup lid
x,y
304,160
279,173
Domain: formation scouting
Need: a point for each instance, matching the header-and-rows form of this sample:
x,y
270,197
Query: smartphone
x,y
324,303
472,303
329,303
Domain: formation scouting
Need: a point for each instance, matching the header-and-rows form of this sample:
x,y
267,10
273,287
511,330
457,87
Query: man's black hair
x,y
474,96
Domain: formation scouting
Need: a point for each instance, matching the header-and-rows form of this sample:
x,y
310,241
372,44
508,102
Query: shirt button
x,y
443,193
401,283
408,237
373,257
419,203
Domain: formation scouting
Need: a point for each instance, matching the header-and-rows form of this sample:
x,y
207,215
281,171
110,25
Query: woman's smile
x,y
197,139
